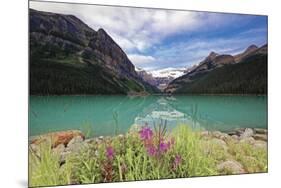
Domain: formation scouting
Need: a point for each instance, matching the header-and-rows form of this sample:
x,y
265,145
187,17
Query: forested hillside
x,y
247,77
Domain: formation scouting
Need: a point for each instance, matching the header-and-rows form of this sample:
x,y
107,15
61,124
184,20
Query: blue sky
x,y
156,39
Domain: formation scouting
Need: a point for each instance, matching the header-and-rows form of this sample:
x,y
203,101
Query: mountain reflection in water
x,y
103,113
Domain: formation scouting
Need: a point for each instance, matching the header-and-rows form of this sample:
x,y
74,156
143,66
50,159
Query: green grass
x,y
44,169
253,159
131,161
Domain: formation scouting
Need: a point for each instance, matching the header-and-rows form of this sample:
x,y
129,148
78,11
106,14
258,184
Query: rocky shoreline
x,y
65,143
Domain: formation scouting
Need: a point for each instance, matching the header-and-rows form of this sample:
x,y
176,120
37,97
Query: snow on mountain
x,y
168,72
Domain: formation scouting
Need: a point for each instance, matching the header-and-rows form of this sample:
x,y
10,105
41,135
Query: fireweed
x,y
142,155
107,165
155,143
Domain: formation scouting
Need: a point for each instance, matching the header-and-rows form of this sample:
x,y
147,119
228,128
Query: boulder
x,y
260,131
91,140
262,137
59,149
121,137
232,139
76,139
57,138
230,167
220,143
63,156
260,144
248,140
247,133
76,147
231,133
35,149
235,137
204,133
239,131
220,135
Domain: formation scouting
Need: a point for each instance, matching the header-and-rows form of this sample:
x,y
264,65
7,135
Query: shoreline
x,y
211,152
78,133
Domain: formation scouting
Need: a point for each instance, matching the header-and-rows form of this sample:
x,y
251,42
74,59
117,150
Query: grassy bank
x,y
147,154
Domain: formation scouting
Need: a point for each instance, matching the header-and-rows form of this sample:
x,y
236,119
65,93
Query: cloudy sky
x,y
157,39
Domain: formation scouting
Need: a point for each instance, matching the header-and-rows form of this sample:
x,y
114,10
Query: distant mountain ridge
x,y
68,57
215,74
239,57
161,77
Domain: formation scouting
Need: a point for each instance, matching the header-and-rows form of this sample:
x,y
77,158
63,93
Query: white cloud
x,y
133,29
142,31
141,59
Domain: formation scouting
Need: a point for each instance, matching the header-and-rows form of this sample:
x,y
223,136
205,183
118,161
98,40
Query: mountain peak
x,y
101,30
251,48
213,54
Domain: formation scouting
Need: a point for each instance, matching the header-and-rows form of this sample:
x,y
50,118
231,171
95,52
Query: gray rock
x,y
76,147
260,144
247,133
216,134
76,139
248,140
220,143
91,141
204,133
231,133
235,137
239,131
260,131
232,139
231,167
220,135
35,149
262,137
64,155
59,149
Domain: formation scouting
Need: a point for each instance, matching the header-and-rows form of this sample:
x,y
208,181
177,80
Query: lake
x,y
103,115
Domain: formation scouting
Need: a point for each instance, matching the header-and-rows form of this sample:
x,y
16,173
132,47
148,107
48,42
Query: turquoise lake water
x,y
103,115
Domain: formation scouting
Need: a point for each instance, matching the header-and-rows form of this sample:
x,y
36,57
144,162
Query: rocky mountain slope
x,y
245,73
68,57
239,57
